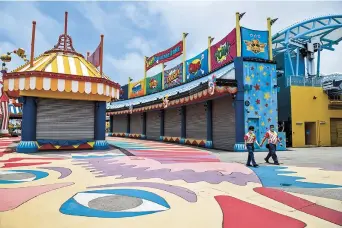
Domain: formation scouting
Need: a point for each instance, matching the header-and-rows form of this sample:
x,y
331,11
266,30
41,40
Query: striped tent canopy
x,y
61,63
14,111
61,73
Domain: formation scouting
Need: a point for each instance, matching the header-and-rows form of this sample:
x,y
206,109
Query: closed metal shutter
x,y
172,122
196,121
120,124
153,125
65,119
223,123
136,123
336,132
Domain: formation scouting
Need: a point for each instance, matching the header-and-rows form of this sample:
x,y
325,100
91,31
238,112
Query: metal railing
x,y
303,81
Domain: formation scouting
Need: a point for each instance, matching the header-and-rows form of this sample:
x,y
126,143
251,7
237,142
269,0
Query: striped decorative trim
x,y
171,139
62,64
61,85
196,142
202,95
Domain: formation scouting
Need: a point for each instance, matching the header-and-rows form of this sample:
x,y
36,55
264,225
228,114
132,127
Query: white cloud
x,y
135,13
140,44
18,26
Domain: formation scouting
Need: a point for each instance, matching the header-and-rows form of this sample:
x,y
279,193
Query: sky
x,y
133,30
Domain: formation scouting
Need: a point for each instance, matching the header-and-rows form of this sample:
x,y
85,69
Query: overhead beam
x,y
336,21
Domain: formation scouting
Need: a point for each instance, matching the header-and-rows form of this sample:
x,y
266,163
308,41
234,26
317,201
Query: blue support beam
x,y
318,61
162,118
289,59
100,126
297,62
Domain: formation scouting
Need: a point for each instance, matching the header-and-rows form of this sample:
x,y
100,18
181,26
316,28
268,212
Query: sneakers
x,y
256,165
276,163
266,161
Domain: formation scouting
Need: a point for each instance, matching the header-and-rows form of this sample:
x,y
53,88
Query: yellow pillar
x,y
145,74
238,34
269,26
210,39
145,58
128,87
184,56
163,67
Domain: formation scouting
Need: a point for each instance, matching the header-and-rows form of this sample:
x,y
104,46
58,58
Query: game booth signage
x,y
226,88
64,98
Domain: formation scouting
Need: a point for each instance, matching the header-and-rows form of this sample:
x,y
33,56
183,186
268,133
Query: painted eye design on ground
x,y
20,176
114,203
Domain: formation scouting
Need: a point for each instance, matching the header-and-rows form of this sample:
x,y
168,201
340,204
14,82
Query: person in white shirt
x,y
273,140
250,139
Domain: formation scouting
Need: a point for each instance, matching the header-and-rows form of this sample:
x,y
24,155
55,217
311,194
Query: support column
x,y
318,61
209,110
111,125
100,126
128,130
143,136
239,106
183,124
28,126
162,116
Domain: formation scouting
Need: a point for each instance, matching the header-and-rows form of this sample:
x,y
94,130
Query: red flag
x,y
95,57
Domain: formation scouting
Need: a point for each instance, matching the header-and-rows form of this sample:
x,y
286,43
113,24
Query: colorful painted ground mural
x,y
153,184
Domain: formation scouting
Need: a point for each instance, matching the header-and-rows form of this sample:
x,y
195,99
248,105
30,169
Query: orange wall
x,y
306,109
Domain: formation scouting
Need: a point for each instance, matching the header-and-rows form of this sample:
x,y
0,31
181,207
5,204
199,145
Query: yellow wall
x,y
306,109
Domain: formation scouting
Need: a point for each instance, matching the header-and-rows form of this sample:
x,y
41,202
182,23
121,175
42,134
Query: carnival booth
x,y
209,100
64,98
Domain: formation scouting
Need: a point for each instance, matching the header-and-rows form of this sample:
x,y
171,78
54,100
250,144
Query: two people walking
x,y
250,140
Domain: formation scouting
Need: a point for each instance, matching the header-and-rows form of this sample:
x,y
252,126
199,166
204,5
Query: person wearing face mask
x,y
250,139
273,139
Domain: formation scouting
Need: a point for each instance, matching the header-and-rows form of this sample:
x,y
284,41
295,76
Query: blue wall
x,y
124,96
260,95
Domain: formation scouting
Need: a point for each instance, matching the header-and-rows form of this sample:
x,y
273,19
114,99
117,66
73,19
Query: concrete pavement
x,y
152,184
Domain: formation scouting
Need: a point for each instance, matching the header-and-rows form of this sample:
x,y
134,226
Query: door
x,y
196,121
136,123
120,124
172,122
310,133
65,119
153,125
336,132
223,115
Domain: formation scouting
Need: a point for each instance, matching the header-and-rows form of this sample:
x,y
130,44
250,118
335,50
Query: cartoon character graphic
x,y
255,46
211,85
195,68
153,83
165,101
137,88
173,75
222,52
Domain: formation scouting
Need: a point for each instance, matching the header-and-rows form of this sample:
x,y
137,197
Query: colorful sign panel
x,y
197,66
136,89
254,43
223,51
154,83
173,76
164,56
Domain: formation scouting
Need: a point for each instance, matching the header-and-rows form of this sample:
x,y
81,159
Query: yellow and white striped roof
x,y
62,63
